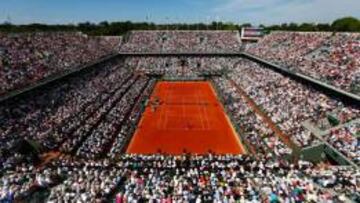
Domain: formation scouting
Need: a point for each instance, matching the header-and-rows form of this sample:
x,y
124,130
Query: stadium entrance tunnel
x,y
184,117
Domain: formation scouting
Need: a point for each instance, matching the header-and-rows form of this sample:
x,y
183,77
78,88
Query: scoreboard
x,y
252,33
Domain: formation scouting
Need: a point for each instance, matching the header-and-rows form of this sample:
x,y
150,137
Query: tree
x,y
246,25
307,27
346,24
323,27
293,26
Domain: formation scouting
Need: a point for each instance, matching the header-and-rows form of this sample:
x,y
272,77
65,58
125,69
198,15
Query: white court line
x,y
182,101
162,115
206,118
158,123
166,98
165,120
200,112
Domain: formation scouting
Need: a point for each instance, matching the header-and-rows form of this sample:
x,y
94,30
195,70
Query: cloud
x,y
280,11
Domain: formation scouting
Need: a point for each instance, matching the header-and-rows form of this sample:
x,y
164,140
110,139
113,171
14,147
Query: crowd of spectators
x,y
347,141
130,124
332,58
261,138
26,58
89,118
71,115
182,41
290,103
206,178
180,66
101,139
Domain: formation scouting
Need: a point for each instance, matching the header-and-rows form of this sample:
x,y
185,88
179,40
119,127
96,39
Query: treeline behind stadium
x,y
347,24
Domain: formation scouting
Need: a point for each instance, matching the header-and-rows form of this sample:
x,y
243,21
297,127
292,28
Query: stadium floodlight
x,y
167,23
207,22
217,18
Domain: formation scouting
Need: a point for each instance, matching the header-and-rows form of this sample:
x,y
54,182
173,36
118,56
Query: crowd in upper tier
x,y
160,178
182,41
330,57
26,58
180,66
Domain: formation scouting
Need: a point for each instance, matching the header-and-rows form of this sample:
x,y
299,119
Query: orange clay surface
x,y
184,117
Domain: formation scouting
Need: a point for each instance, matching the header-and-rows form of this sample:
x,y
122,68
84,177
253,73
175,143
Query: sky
x,y
169,11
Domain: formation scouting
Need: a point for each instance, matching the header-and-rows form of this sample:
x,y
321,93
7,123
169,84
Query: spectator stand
x,y
285,138
347,97
248,147
86,178
328,89
141,103
57,77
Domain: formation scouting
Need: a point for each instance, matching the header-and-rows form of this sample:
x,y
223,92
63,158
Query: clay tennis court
x,y
184,117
